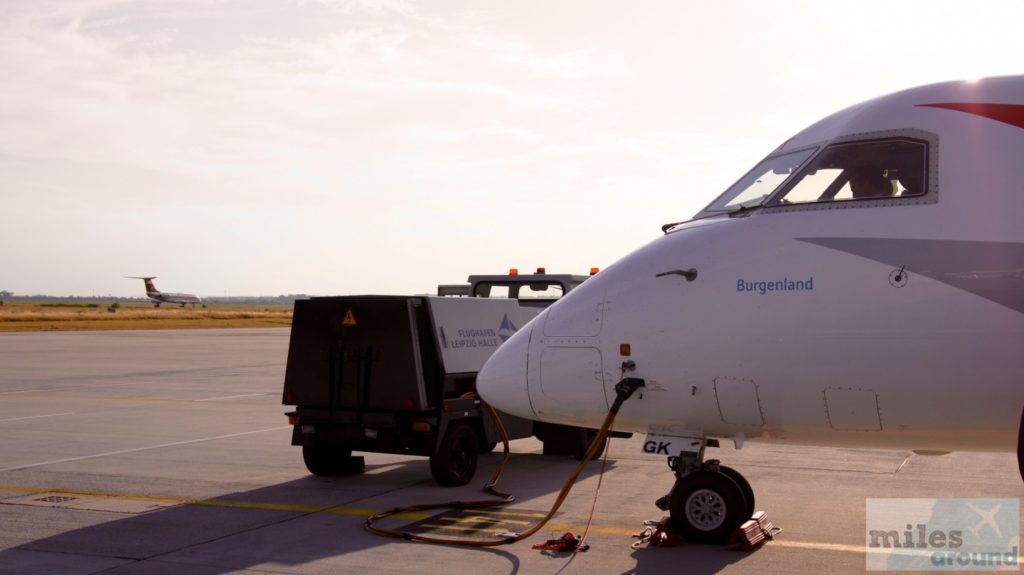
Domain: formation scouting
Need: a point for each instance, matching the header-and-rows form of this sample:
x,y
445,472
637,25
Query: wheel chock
x,y
754,532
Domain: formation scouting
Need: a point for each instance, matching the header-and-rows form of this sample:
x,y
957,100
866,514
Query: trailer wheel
x,y
327,460
454,464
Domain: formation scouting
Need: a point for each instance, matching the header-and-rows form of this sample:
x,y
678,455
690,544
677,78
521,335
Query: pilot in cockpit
x,y
869,182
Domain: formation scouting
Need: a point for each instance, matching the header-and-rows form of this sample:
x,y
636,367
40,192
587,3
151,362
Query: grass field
x,y
77,317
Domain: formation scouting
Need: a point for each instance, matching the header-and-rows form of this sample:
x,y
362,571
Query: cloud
x,y
289,104
354,120
306,128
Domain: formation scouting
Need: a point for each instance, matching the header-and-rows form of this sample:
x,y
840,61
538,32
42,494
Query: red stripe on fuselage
x,y
1012,114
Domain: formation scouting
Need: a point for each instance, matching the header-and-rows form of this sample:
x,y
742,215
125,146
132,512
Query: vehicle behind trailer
x,y
397,374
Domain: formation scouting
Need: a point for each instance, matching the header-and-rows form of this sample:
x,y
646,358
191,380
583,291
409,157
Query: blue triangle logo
x,y
506,329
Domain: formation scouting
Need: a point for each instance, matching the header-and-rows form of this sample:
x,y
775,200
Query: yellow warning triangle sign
x,y
350,319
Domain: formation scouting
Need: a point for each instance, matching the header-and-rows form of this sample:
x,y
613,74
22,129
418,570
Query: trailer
x,y
397,374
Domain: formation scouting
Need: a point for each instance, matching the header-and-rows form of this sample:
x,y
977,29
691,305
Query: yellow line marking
x,y
258,505
509,513
814,546
413,516
482,519
467,529
472,519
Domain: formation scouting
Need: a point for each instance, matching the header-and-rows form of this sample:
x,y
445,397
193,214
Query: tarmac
x,y
160,452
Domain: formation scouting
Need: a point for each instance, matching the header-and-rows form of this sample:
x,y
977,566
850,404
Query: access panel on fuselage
x,y
569,381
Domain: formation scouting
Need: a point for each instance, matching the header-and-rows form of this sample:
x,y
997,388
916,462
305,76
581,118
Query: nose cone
x,y
502,380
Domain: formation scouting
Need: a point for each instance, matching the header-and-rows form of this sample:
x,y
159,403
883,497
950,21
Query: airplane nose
x,y
502,380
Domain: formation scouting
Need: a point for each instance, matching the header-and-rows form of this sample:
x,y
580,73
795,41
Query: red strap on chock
x,y
567,542
655,534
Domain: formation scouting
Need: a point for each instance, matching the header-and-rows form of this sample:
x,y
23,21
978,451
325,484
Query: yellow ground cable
x,y
490,487
624,389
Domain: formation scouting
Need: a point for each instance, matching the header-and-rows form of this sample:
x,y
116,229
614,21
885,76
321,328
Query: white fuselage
x,y
177,298
890,323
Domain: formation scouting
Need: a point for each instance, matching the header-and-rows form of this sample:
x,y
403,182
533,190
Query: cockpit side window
x,y
753,188
860,171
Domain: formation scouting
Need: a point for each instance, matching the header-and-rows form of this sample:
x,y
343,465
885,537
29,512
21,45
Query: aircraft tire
x,y
454,464
327,460
744,485
707,506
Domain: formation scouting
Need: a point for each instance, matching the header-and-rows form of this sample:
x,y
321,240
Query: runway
x,y
163,452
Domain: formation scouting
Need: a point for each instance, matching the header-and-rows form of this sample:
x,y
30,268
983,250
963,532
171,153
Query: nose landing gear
x,y
709,500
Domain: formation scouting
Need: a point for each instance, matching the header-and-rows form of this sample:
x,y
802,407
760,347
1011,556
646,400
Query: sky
x,y
258,147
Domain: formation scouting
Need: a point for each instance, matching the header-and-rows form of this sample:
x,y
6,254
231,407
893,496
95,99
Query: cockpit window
x,y
760,182
854,171
892,167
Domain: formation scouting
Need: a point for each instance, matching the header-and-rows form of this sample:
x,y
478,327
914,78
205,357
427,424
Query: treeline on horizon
x,y
234,300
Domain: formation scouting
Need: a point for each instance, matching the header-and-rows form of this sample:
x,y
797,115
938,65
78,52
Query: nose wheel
x,y
744,485
707,506
709,501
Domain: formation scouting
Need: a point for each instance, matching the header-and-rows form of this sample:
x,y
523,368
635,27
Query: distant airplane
x,y
160,297
863,286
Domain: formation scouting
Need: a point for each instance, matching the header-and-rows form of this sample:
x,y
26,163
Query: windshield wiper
x,y
665,228
743,211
